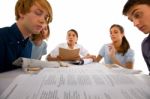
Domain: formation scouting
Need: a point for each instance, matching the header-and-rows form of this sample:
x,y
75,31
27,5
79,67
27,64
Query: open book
x,y
27,62
69,54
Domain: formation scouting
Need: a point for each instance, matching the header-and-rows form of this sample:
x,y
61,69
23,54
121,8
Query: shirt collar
x,y
17,33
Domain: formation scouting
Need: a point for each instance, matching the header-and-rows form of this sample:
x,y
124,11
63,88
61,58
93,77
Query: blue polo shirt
x,y
146,51
12,46
123,59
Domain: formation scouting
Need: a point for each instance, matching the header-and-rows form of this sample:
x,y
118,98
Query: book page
x,y
114,68
79,83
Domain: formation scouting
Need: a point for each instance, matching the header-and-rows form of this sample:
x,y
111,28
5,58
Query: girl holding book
x,y
72,38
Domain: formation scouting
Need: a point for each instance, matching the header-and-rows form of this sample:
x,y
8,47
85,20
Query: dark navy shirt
x,y
146,51
12,46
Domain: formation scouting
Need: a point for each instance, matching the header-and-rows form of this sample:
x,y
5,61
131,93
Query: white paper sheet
x,y
27,62
79,83
114,68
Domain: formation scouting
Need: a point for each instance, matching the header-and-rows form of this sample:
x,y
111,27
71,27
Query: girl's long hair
x,y
125,44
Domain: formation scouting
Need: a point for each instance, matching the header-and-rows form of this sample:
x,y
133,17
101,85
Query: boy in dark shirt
x,y
31,16
138,12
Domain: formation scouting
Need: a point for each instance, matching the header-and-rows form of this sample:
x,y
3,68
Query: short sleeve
x,y
83,51
102,51
55,51
130,55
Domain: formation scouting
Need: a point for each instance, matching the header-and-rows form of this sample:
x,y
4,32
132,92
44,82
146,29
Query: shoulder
x,y
4,31
105,45
5,34
130,52
44,43
146,39
62,45
78,46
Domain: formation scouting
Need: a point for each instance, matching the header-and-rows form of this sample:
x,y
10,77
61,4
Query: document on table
x,y
78,83
27,62
114,68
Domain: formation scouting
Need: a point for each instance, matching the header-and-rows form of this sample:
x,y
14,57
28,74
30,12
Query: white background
x,y
91,18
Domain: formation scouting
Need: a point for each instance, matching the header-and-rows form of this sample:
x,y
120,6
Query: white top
x,y
55,52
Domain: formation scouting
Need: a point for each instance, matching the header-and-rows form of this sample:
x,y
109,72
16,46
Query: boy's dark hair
x,y
130,3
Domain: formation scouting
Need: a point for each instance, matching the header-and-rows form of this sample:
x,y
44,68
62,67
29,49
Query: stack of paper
x,y
78,83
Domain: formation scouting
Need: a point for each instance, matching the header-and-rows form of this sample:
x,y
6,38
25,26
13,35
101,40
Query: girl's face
x,y
71,37
44,32
116,34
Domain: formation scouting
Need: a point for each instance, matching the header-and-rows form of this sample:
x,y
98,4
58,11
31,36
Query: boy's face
x,y
35,20
140,16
